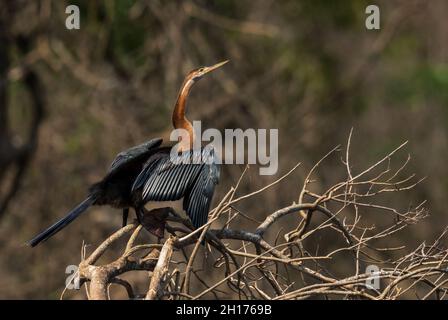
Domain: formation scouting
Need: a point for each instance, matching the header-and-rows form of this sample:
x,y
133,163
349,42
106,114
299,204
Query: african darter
x,y
147,173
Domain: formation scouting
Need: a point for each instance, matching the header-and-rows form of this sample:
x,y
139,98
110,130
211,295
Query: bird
x,y
149,173
190,176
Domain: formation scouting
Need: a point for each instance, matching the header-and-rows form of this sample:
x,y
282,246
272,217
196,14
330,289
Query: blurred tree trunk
x,y
13,157
5,146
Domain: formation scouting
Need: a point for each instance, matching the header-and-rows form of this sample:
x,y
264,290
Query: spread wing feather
x,y
128,157
197,201
192,175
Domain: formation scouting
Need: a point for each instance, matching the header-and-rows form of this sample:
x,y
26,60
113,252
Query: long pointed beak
x,y
216,66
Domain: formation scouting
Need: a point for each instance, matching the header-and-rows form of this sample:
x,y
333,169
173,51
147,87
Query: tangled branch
x,y
271,260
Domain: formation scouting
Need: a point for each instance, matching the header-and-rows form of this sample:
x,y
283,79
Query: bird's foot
x,y
154,220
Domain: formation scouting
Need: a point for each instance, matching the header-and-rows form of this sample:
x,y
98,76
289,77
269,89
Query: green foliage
x,y
127,36
340,14
422,83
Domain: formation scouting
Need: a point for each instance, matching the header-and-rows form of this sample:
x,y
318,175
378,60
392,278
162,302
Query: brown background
x,y
308,68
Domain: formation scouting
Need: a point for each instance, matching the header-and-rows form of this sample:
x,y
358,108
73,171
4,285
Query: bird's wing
x,y
192,175
128,157
197,201
166,177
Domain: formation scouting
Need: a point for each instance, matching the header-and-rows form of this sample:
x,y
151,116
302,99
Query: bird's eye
x,y
201,69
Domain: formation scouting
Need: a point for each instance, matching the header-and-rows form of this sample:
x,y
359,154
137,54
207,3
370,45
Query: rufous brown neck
x,y
179,119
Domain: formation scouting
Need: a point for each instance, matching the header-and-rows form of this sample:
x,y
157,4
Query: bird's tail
x,y
61,224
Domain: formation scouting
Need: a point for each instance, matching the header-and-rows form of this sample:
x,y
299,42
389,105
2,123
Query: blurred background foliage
x,y
308,68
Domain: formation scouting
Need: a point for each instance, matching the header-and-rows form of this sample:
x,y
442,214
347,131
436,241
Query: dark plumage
x,y
147,173
191,175
114,189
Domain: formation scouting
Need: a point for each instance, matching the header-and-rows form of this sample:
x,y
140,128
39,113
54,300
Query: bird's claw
x,y
154,220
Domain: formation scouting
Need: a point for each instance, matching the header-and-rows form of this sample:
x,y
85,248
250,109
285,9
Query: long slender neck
x,y
179,119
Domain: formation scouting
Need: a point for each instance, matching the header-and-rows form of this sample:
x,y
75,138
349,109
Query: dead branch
x,y
255,263
160,271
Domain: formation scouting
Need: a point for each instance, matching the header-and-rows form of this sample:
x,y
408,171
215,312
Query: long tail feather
x,y
61,224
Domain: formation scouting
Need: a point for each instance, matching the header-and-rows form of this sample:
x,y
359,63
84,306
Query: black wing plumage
x,y
127,157
113,189
192,175
197,201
